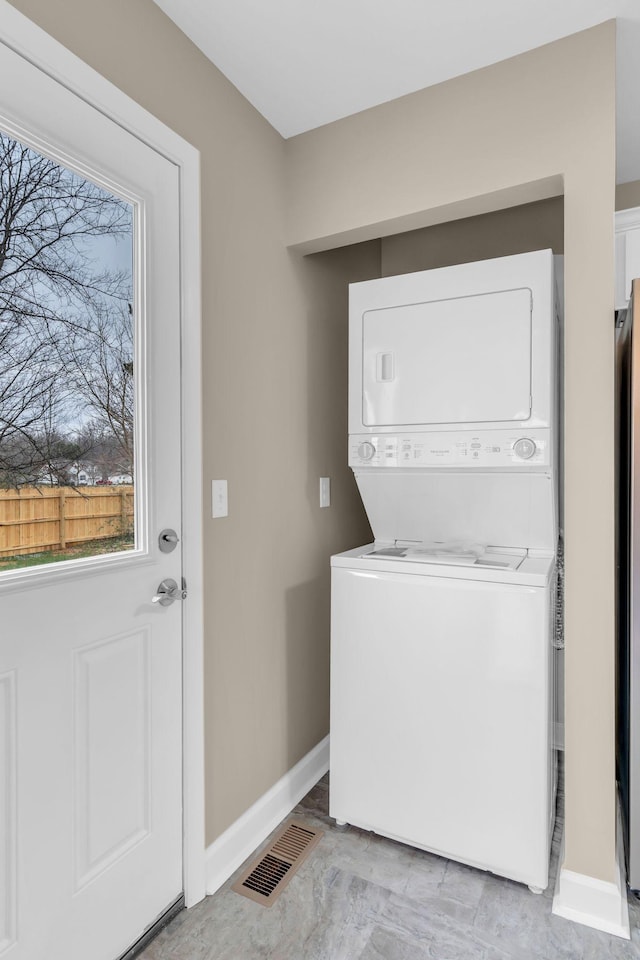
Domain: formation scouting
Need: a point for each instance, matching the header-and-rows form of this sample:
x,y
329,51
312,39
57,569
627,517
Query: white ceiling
x,y
304,63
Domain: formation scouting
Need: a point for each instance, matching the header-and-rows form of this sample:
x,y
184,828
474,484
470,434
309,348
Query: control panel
x,y
498,449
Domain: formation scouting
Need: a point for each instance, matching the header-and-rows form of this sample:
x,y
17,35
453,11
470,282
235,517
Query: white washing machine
x,y
442,630
441,705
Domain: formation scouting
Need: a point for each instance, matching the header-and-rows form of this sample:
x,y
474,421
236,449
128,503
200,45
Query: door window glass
x,y
67,464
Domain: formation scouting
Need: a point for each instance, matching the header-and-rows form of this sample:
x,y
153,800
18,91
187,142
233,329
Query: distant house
x,y
83,474
121,478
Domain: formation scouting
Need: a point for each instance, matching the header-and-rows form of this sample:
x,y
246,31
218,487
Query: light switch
x,y
325,491
219,499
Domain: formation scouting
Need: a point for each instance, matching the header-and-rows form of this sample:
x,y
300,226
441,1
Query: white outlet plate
x,y
219,499
325,491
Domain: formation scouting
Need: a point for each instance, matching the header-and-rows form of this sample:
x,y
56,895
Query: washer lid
x,y
451,553
533,570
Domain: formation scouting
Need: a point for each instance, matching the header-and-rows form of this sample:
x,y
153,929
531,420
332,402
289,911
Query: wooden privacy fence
x,y
34,519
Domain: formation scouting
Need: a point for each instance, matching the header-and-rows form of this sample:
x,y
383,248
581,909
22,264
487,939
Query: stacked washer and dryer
x,y
442,629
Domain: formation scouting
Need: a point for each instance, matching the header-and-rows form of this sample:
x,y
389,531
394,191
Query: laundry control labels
x,y
490,449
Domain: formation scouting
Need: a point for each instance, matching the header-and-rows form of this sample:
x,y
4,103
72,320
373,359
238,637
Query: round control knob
x,y
524,448
366,450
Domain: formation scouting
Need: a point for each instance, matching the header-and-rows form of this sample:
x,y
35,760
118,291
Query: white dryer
x,y
441,682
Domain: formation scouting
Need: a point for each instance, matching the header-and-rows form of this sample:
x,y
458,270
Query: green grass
x,y
93,548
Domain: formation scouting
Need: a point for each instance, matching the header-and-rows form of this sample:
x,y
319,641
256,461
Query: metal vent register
x,y
266,877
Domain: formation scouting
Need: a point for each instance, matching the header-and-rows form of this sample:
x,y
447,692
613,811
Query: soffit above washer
x,y
302,65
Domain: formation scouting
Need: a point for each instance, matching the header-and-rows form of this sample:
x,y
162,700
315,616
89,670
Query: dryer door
x,y
456,361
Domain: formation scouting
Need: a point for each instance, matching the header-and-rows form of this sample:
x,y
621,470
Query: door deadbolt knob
x,y
168,540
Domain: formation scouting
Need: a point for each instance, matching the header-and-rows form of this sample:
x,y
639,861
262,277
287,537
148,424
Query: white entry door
x,y
90,667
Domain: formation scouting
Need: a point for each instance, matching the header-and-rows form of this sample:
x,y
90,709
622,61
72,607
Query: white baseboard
x,y
232,848
596,903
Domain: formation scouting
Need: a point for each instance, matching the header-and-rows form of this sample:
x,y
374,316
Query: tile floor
x,y
361,897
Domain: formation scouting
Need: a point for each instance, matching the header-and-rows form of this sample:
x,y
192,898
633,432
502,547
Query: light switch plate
x,y
219,499
325,491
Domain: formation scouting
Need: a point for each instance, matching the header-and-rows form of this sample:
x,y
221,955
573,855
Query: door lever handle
x,y
168,591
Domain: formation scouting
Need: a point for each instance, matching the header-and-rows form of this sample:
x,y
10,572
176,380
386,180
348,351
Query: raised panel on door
x,y
463,360
112,692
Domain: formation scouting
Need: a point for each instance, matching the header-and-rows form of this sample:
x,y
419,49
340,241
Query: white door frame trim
x,y
36,46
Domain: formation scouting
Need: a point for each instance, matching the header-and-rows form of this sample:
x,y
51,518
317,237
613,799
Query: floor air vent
x,y
265,878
